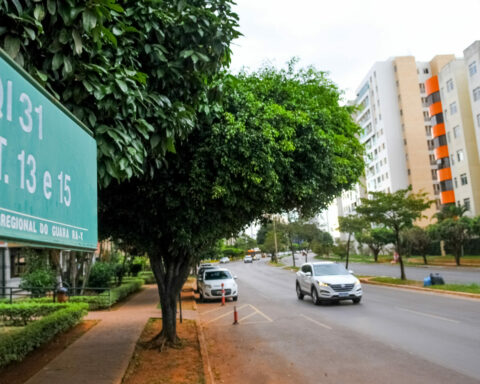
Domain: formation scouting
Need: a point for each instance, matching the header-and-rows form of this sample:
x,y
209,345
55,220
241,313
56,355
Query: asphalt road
x,y
394,335
451,275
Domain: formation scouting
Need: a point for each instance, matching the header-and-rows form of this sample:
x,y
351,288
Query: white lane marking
x,y
246,317
261,313
219,309
428,315
316,322
219,317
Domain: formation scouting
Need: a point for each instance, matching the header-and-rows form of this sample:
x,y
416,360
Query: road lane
x,y
451,275
434,335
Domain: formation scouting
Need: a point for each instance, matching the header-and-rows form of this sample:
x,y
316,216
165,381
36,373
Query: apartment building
x,y
461,132
397,129
472,66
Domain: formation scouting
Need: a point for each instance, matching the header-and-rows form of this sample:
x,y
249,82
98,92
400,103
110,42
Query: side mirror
x,y
235,277
308,273
350,271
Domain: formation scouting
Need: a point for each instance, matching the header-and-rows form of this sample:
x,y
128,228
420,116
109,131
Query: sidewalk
x,y
102,355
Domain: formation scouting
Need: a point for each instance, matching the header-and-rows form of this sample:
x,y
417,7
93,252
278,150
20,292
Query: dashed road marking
x,y
316,322
429,315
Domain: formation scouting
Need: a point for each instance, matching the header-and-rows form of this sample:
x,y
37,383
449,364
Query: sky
x,y
346,37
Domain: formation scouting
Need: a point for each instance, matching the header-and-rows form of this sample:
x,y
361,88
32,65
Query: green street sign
x,y
48,167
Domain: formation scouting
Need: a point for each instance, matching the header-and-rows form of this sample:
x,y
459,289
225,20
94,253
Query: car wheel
x,y
357,300
235,298
315,298
299,292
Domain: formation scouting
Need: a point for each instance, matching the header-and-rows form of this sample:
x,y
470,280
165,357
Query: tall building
x,y
397,131
472,64
460,132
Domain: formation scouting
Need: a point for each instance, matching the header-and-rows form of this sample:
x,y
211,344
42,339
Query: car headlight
x,y
357,284
208,286
322,284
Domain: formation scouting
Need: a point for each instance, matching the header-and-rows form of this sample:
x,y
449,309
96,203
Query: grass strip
x,y
467,288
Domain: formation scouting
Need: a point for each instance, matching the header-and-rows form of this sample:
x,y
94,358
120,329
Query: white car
x,y
248,259
210,284
327,281
224,260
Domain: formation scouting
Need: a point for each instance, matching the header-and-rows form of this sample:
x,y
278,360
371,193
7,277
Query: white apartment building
x,y
460,131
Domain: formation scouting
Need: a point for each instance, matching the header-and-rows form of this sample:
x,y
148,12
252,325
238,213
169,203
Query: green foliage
x,y
134,72
375,238
148,277
232,252
39,281
245,242
100,275
135,269
417,241
15,345
22,313
395,211
279,141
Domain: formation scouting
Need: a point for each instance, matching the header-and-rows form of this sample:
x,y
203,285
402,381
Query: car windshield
x,y
329,269
217,275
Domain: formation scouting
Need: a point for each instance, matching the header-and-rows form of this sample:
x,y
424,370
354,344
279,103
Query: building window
x,y
456,132
17,262
476,94
463,179
453,159
434,174
426,116
449,139
456,182
422,87
425,71
453,108
472,68
449,85
460,155
466,203
428,130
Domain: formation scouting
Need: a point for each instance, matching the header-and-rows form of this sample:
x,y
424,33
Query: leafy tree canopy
x,y
279,141
135,72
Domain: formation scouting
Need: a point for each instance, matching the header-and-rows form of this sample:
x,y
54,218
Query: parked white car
x,y
248,259
210,284
224,260
327,281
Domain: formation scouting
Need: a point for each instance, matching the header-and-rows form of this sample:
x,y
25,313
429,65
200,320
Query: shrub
x,y
15,345
25,312
135,269
100,275
148,277
38,281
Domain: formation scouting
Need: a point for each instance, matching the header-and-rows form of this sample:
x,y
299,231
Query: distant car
x,y
210,284
248,259
257,257
327,281
224,260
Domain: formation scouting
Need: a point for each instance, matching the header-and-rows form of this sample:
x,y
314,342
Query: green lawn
x,y
470,288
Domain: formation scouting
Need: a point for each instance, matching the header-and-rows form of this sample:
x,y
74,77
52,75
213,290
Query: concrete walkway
x,y
101,355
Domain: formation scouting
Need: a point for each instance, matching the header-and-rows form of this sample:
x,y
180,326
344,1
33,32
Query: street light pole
x,y
275,238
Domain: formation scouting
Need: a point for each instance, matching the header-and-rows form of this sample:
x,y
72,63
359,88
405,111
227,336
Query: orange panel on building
x,y
438,130
447,197
444,174
441,152
435,108
431,85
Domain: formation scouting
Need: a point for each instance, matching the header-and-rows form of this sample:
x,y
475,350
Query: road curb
x,y
413,288
207,368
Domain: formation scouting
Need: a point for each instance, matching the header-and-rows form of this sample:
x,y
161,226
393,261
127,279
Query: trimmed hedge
x,y
25,312
105,299
148,277
15,345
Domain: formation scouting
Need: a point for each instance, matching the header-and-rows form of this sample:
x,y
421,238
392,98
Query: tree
x,y
395,211
280,142
323,244
419,240
350,225
454,229
134,72
375,238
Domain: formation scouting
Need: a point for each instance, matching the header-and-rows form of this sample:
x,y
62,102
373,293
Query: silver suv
x,y
327,281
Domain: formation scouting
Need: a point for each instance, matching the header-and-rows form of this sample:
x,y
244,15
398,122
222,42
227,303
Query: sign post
x,y
48,167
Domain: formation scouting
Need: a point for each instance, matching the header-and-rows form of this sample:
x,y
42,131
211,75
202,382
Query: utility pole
x,y
275,238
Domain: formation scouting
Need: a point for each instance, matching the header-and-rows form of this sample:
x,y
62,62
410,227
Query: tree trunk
x,y
293,256
375,255
425,258
400,259
88,268
348,250
458,254
170,274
